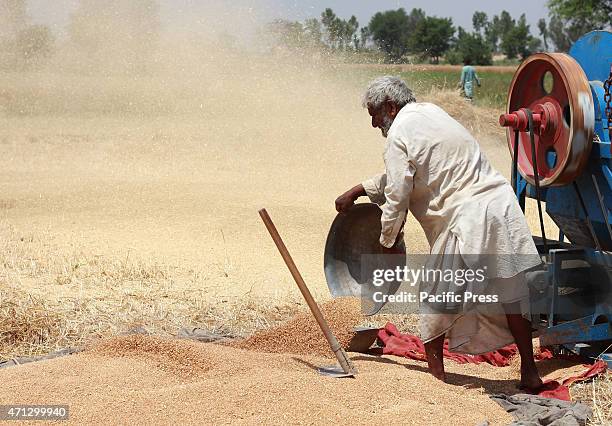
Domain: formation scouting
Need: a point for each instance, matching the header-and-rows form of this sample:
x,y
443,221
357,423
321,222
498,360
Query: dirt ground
x,y
236,386
150,380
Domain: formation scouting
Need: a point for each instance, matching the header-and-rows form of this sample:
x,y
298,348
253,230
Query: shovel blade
x,y
333,371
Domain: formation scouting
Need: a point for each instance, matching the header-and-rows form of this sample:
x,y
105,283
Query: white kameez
x,y
435,169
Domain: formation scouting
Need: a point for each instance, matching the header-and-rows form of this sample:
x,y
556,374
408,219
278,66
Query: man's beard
x,y
386,125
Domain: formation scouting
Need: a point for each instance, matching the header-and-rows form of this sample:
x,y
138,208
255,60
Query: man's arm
x,y
400,174
346,200
373,188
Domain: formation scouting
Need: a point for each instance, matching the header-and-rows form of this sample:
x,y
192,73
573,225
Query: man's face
x,y
381,118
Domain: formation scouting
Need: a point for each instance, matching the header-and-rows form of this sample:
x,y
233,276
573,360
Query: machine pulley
x,y
556,90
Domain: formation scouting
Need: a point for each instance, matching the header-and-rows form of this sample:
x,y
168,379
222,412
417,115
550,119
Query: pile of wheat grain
x,y
302,335
184,358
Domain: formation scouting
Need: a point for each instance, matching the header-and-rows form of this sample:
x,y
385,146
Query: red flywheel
x,y
555,88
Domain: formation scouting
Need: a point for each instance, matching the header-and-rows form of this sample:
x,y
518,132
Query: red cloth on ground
x,y
554,389
410,346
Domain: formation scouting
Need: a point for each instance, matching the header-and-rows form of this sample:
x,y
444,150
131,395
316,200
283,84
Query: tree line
x,y
127,33
403,36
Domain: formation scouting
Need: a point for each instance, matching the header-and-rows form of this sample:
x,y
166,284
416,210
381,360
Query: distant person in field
x,y
468,77
434,168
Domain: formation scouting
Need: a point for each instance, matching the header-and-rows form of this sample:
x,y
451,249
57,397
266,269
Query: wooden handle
x,y
343,359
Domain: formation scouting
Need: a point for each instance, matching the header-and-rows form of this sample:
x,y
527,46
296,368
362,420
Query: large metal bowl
x,y
353,251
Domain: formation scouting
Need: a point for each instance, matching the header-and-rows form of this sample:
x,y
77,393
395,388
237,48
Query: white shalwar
x,y
435,169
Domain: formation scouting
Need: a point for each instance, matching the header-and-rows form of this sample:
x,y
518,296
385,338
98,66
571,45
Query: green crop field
x,y
492,93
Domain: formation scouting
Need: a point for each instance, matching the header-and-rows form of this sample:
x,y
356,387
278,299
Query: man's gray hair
x,y
387,88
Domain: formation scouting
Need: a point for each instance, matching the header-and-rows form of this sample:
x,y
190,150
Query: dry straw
x,y
596,393
74,298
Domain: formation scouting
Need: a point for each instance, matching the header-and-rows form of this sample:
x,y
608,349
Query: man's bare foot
x,y
521,331
438,373
530,380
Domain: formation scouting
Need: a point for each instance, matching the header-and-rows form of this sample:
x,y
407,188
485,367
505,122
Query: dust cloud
x,y
118,57
139,140
153,140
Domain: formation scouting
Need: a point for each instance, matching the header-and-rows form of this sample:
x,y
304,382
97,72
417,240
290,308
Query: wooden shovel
x,y
348,369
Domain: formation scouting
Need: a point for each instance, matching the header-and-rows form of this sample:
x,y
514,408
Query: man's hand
x,y
346,200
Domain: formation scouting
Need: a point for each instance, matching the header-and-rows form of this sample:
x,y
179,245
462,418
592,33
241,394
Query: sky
x,y
460,10
184,15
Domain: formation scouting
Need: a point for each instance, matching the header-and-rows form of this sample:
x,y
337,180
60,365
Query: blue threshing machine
x,y
558,129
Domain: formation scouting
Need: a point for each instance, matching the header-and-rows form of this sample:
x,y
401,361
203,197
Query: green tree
x,y
506,23
479,21
339,33
365,37
588,15
534,45
433,36
390,31
332,28
313,32
327,17
498,28
352,25
415,17
558,34
570,19
517,41
492,32
543,31
472,47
